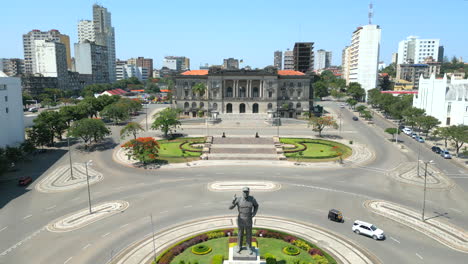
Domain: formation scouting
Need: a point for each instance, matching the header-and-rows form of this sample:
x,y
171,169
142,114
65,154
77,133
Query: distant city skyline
x,y
209,31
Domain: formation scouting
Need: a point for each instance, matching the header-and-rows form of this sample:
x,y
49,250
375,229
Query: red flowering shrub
x,y
230,231
289,238
315,251
143,149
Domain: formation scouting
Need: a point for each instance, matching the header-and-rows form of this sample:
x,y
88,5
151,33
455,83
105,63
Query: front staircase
x,y
238,148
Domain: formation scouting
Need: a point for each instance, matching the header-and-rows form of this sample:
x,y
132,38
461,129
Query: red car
x,y
24,181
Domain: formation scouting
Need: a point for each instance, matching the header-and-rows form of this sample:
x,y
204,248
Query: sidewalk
x,y
342,249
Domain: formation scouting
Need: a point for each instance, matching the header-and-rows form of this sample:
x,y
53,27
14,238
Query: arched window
x,y
270,106
229,92
229,108
215,106
242,108
186,105
194,105
291,105
298,105
255,108
202,105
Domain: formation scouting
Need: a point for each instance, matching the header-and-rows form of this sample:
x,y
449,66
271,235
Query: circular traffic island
x,y
274,246
314,150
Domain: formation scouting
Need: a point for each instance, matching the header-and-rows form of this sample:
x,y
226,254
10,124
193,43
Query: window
x,y
449,108
270,94
299,93
229,92
6,98
7,110
186,93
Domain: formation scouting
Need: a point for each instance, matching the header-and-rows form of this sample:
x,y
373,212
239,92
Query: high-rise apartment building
x,y
278,59
288,60
186,64
176,63
231,64
322,59
86,31
12,67
415,50
345,59
105,36
303,56
51,35
363,59
51,61
125,71
395,58
145,63
92,59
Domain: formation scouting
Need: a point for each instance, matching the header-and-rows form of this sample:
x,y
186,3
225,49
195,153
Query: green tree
x,y
132,128
427,123
392,131
26,99
442,132
373,96
40,135
199,89
361,108
91,106
53,121
367,115
411,115
355,90
352,102
166,121
89,129
386,84
320,90
390,70
116,112
319,123
458,135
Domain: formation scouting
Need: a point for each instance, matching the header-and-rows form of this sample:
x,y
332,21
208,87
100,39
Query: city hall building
x,y
244,91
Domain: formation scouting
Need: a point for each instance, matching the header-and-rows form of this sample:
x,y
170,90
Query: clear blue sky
x,y
208,31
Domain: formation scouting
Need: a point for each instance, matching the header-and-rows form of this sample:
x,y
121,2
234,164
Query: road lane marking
x,y
163,212
26,217
21,242
85,247
122,226
3,228
459,177
453,209
220,173
419,256
51,207
106,234
188,206
395,240
67,260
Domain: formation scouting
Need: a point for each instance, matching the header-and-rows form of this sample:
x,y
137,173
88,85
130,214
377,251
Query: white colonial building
x,y
11,111
445,99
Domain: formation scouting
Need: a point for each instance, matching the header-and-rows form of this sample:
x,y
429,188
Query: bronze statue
x,y
247,207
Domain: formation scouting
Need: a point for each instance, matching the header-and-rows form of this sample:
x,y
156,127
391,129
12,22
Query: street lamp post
x,y
146,116
419,154
87,181
425,177
278,120
69,155
340,117
154,243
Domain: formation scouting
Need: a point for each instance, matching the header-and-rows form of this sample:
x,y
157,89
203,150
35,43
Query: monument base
x,y
244,257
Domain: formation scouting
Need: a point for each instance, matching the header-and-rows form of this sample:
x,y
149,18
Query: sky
x,y
208,31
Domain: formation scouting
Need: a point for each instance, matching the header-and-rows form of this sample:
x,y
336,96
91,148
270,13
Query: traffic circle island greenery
x,y
274,247
307,149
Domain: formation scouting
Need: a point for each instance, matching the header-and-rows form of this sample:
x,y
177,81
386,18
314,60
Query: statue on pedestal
x,y
247,207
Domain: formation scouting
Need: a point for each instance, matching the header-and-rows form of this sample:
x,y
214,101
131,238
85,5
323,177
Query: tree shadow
x,y
438,215
332,136
34,166
104,145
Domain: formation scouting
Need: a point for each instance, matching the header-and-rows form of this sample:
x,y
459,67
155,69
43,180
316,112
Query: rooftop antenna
x,y
371,13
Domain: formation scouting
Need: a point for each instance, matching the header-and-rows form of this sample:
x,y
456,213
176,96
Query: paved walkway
x,y
231,186
61,180
407,172
447,234
242,148
342,249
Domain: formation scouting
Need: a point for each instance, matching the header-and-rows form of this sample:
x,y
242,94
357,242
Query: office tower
x,y
92,59
51,35
86,31
144,63
395,58
415,50
51,61
105,36
12,67
345,63
322,59
303,56
176,63
278,59
231,64
288,60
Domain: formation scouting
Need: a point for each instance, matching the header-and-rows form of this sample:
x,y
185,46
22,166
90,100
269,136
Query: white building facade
x,y
445,99
126,71
415,50
11,111
364,56
86,31
288,60
323,59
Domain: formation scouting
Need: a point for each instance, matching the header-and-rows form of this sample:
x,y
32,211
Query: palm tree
x,y
199,89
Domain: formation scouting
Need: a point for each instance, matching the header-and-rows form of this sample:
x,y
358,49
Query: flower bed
x,y
201,249
318,149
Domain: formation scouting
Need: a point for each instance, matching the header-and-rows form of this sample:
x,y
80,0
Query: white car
x,y
407,131
360,227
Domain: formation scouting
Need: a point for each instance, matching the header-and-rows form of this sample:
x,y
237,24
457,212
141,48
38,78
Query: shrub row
x,y
290,250
201,249
217,259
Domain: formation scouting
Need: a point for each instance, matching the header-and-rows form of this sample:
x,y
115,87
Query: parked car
x,y
355,118
342,105
33,109
436,149
414,135
445,154
335,215
360,227
24,181
401,127
420,139
407,131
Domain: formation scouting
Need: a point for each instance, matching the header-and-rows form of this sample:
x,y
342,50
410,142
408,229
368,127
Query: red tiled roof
x,y
117,92
137,91
165,91
196,72
290,72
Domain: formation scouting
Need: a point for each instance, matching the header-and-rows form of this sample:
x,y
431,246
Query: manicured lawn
x,y
170,148
275,247
316,149
219,246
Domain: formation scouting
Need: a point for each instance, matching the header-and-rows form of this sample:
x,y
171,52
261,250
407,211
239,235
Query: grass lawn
x,y
266,245
169,149
316,149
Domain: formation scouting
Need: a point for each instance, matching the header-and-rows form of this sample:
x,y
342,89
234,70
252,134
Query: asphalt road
x,y
175,196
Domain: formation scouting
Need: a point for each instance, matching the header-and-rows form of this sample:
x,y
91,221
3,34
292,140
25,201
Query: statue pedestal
x,y
244,257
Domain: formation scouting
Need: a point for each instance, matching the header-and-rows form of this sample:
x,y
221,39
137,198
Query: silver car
x,y
445,154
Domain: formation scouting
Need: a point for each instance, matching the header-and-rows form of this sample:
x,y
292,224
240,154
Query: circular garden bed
x,y
274,246
306,149
180,149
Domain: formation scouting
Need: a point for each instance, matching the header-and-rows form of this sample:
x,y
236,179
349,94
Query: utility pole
x,y
152,231
424,199
69,155
146,116
419,153
87,180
